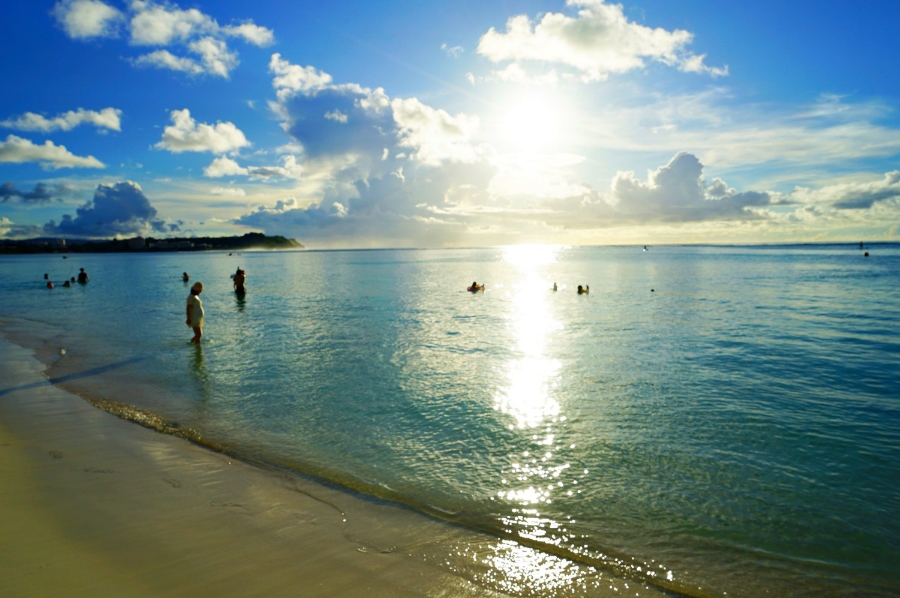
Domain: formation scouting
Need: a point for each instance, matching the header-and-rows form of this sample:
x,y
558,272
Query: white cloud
x,y
374,102
291,169
224,166
433,134
155,25
514,73
108,118
166,60
254,34
453,52
694,64
291,78
164,24
852,196
599,41
84,19
186,135
289,148
337,116
215,56
49,156
228,191
677,192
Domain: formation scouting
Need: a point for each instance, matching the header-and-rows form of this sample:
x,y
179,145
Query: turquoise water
x,y
710,420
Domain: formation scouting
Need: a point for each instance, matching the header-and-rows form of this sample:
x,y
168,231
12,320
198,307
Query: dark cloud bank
x,y
117,209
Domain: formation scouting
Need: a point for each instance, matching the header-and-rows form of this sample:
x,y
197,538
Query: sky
x,y
355,124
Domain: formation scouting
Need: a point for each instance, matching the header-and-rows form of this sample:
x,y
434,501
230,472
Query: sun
x,y
530,124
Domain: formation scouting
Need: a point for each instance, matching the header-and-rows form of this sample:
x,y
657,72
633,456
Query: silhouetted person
x,y
195,311
83,278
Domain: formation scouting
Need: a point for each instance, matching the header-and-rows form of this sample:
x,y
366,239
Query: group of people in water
x,y
194,307
83,278
582,290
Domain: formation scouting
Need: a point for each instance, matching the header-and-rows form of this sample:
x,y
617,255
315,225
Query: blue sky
x,y
359,124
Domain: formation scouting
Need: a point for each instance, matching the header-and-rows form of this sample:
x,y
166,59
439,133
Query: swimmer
x,y
475,287
554,286
239,278
584,290
185,277
49,284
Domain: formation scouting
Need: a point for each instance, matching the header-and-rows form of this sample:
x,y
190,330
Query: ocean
x,y
708,420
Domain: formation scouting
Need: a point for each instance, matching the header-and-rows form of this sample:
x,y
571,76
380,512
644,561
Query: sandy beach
x,y
94,505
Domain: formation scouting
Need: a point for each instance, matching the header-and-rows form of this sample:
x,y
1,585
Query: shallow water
x,y
710,420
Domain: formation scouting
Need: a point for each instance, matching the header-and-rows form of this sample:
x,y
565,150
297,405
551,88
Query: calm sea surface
x,y
710,420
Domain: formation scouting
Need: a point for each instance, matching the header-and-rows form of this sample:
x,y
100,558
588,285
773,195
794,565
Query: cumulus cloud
x,y
852,196
108,118
164,24
291,79
223,166
433,134
117,209
85,19
160,25
214,56
186,135
49,156
368,165
42,193
598,41
677,192
330,118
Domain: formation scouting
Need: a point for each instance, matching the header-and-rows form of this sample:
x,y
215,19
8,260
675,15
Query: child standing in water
x,y
195,311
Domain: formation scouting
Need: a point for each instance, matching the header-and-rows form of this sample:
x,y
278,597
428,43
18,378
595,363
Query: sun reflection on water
x,y
530,377
527,398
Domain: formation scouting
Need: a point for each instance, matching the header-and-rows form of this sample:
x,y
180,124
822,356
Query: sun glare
x,y
530,124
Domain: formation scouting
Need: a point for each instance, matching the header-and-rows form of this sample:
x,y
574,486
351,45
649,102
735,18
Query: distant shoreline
x,y
251,241
149,244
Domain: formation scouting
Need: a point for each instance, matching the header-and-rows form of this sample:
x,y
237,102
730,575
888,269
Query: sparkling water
x,y
710,420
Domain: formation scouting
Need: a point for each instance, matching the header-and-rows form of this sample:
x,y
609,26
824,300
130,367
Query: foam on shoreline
x,y
93,504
